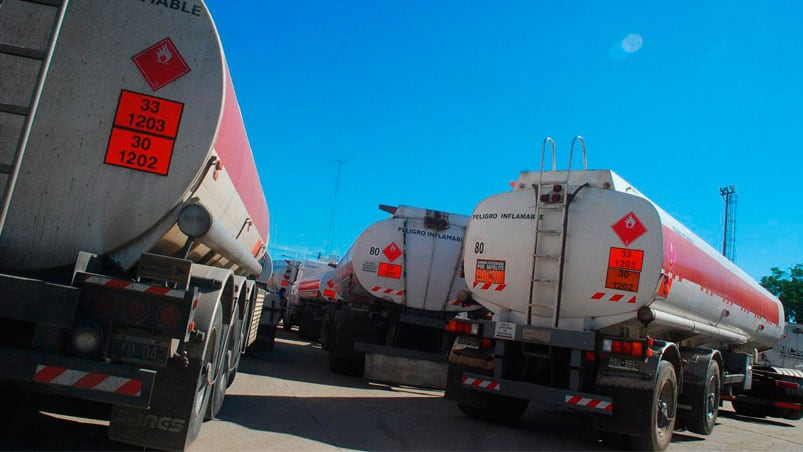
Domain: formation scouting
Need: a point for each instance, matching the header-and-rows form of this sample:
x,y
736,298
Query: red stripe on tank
x,y
697,266
235,152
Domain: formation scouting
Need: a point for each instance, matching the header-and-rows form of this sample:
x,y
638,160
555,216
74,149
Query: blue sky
x,y
440,104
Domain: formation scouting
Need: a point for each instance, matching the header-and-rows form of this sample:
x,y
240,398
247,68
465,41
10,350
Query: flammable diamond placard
x,y
629,228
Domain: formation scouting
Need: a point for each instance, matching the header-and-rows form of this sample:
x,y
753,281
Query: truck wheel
x,y
496,408
219,380
237,336
749,409
705,402
325,322
794,415
662,411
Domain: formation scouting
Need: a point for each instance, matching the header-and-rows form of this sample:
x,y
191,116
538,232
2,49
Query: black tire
x,y
662,411
496,408
325,325
794,415
705,402
342,363
237,336
749,409
219,379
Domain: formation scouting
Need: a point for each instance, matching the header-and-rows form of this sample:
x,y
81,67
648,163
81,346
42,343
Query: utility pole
x,y
729,234
340,163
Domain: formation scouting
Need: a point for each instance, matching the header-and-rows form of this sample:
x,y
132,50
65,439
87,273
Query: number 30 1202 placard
x,y
144,132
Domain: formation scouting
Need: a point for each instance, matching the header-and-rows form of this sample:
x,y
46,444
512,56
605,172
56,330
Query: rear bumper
x,y
77,378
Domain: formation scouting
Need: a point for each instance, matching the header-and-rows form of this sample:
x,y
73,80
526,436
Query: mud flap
x,y
405,367
173,421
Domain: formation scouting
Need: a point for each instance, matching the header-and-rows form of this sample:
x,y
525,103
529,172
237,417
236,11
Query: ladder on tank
x,y
551,212
14,54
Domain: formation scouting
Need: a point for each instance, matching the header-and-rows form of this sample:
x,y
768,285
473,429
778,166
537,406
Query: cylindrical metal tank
x,y
615,253
137,116
318,286
308,281
412,259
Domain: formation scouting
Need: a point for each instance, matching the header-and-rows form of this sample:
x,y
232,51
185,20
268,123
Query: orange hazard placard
x,y
489,271
626,259
148,114
626,280
139,151
144,132
389,270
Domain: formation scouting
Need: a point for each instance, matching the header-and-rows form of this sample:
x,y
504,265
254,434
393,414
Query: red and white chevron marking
x,y
610,296
481,383
87,380
489,286
588,403
387,291
132,286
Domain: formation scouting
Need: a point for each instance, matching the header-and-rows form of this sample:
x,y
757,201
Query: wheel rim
x,y
712,399
666,409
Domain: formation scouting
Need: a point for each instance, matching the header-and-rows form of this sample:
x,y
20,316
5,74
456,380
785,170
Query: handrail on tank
x,y
571,151
543,153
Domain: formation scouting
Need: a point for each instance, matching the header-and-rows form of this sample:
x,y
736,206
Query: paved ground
x,y
288,400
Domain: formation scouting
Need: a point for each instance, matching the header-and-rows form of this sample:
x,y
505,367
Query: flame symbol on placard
x,y
164,55
630,222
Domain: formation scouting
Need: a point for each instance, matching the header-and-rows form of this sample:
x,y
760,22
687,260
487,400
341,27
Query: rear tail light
x,y
641,347
486,343
591,356
103,303
787,385
170,316
136,310
463,327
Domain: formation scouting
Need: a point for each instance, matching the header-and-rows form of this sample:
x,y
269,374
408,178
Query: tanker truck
x,y
315,290
398,286
133,218
604,303
297,272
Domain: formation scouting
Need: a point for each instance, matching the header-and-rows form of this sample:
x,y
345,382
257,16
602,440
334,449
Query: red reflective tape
x,y
375,289
574,400
476,382
617,297
598,296
492,385
464,379
609,407
132,387
593,403
158,290
117,284
400,293
48,374
500,287
632,299
90,380
486,286
388,290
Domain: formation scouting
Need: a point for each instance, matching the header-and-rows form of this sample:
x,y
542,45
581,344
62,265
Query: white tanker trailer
x,y
399,284
315,290
132,219
604,303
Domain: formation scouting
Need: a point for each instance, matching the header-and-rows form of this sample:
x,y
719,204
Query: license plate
x,y
468,341
139,350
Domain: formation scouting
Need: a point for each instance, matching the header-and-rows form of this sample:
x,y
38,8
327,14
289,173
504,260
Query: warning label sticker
x,y
144,133
624,269
622,280
490,271
161,64
389,270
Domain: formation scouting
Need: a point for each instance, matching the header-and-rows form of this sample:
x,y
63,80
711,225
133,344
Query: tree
x,y
788,287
